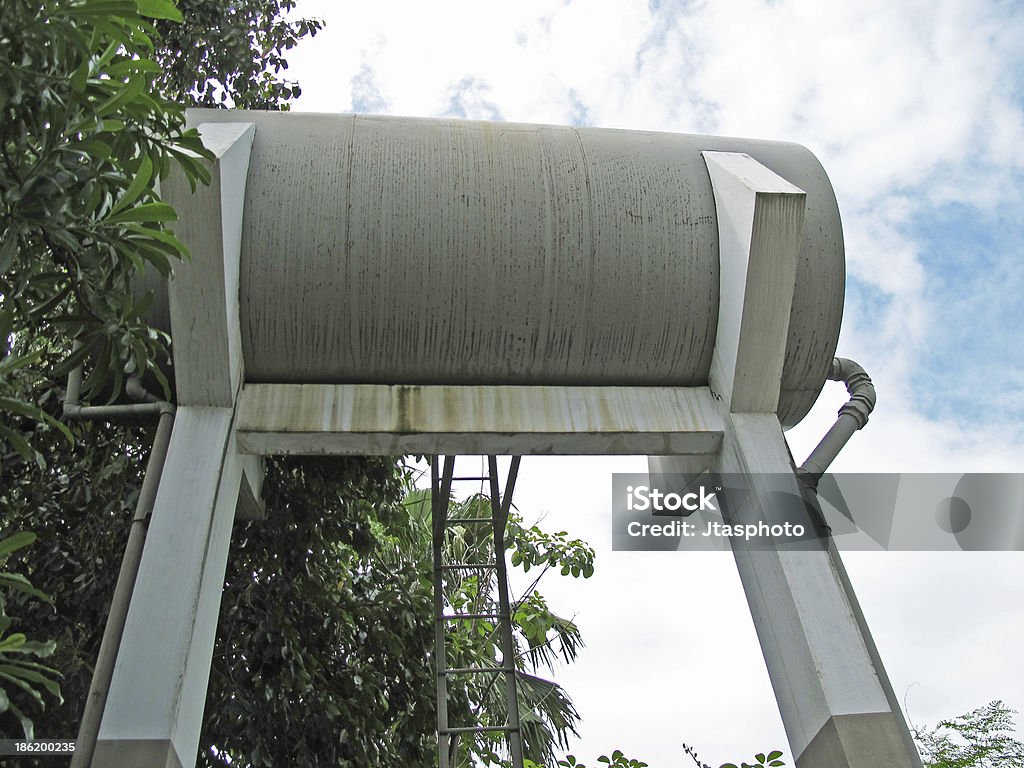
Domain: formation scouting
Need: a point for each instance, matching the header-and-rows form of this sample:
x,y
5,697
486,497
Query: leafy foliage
x,y
231,54
617,760
324,638
982,738
83,141
760,760
79,506
23,674
322,650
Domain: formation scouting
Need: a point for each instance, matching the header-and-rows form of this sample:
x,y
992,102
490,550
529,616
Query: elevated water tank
x,y
422,251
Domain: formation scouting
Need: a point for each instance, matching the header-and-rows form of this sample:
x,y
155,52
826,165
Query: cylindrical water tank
x,y
422,251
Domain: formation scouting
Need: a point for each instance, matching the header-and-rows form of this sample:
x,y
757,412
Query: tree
x,y
83,142
231,54
982,738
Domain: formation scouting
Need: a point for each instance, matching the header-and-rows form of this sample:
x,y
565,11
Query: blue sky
x,y
916,110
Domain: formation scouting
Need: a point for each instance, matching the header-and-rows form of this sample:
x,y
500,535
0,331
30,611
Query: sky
x,y
916,111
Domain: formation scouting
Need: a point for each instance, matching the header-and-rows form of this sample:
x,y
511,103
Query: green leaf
x,y
8,250
147,212
775,754
19,583
128,66
135,87
27,728
36,648
15,669
20,445
12,642
160,9
15,542
103,9
164,237
139,184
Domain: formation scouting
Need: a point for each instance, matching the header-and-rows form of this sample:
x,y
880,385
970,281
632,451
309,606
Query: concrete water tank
x,y
423,251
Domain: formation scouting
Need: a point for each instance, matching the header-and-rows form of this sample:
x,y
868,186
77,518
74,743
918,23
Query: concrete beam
x,y
204,290
396,420
760,231
158,691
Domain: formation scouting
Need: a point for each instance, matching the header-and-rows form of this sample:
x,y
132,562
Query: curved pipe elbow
x,y
852,417
858,384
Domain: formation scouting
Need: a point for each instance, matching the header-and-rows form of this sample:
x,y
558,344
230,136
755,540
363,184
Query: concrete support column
x,y
835,699
155,705
836,702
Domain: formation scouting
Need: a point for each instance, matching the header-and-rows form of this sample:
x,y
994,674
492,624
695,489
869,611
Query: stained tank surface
x,y
426,251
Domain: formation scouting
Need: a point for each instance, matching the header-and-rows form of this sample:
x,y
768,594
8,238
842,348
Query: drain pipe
x,y
852,416
149,404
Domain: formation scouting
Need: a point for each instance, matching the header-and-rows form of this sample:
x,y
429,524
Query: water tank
x,y
423,251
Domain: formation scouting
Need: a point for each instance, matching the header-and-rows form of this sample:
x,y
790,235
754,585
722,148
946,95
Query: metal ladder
x,y
442,478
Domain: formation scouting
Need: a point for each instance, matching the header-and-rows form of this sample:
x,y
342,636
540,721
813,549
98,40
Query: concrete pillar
x,y
155,705
835,699
836,702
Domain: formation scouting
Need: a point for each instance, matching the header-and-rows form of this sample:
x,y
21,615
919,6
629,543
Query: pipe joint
x,y
858,384
134,389
852,417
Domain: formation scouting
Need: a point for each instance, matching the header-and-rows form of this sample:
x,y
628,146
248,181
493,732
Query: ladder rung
x,y
485,477
474,670
478,729
463,616
467,566
471,520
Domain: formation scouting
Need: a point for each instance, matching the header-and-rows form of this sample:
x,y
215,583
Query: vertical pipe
x,y
96,700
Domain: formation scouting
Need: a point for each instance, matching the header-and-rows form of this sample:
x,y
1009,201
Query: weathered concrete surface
x,y
204,289
394,420
760,227
155,706
418,251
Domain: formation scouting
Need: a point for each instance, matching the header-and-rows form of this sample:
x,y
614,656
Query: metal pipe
x,y
116,412
852,416
134,389
95,702
147,404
